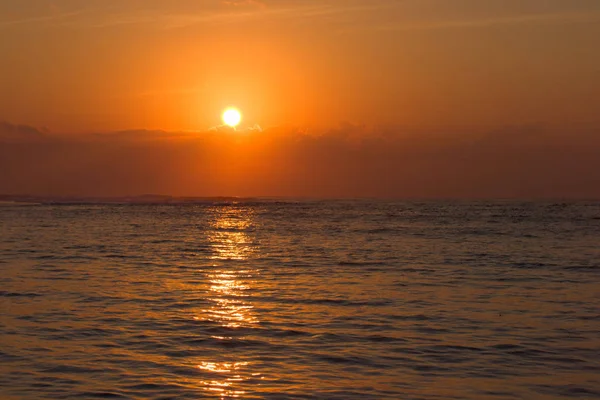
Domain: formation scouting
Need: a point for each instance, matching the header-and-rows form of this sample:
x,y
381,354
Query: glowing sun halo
x,y
232,117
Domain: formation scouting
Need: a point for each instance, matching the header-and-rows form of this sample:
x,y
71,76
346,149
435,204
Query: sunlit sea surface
x,y
300,300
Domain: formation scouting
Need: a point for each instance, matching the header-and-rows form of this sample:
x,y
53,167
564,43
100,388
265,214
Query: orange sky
x,y
399,70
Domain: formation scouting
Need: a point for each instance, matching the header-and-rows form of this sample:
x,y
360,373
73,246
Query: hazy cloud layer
x,y
20,133
349,161
403,15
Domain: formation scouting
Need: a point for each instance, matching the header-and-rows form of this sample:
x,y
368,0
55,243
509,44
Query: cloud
x,y
254,128
238,3
349,161
136,136
169,16
229,129
21,133
564,17
54,18
172,17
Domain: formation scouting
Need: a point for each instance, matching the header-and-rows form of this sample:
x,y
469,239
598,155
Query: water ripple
x,y
301,300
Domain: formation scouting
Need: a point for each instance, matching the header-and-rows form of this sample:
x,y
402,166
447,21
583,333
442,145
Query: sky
x,y
340,98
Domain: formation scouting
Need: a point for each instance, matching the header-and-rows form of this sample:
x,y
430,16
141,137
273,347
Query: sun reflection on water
x,y
230,282
229,239
224,387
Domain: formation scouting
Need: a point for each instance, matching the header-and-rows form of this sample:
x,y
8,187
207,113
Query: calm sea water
x,y
309,300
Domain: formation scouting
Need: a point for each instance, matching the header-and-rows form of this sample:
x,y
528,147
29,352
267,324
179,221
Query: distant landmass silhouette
x,y
139,199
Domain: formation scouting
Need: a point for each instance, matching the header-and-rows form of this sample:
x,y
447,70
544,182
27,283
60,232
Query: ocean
x,y
343,299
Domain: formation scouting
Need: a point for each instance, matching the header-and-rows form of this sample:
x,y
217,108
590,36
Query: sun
x,y
232,117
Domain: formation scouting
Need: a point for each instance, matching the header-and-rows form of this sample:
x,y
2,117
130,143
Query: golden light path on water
x,y
229,280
